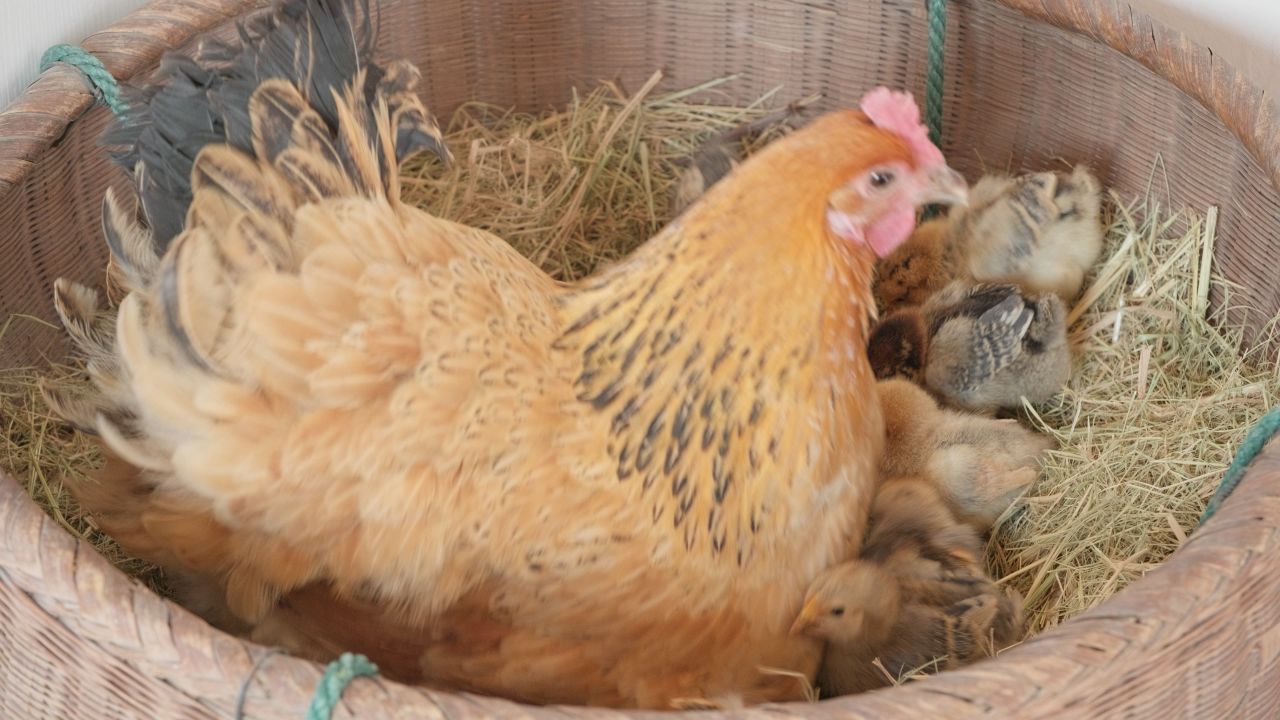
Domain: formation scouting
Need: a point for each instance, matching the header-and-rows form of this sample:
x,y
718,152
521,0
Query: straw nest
x,y
1160,395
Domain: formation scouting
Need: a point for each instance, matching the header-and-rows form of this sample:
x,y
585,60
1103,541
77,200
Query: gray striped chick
x,y
1041,231
990,346
717,157
978,347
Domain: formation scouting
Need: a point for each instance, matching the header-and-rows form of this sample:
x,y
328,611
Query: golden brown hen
x,y
356,426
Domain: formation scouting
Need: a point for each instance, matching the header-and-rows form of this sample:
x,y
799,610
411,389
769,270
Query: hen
x,y
355,426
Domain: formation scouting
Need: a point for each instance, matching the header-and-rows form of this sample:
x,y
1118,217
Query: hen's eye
x,y
881,178
837,611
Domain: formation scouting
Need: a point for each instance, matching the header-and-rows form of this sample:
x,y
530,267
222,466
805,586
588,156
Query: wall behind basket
x,y
28,27
1245,32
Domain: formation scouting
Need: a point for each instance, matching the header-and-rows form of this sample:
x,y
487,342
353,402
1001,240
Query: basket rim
x,y
1241,530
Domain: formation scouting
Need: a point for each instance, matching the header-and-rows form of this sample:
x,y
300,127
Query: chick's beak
x,y
944,186
808,618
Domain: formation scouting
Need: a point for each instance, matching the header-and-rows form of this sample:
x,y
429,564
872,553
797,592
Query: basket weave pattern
x,y
1027,81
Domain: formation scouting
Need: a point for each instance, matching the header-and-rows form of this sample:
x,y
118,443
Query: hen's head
x,y
863,172
876,205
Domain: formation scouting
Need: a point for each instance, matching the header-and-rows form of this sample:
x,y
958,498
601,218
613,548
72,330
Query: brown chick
x,y
990,346
979,465
917,597
716,157
899,345
1041,231
920,267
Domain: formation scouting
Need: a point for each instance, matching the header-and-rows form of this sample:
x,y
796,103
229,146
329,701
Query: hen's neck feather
x,y
726,359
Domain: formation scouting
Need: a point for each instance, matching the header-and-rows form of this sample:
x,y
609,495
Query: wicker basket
x,y
1027,81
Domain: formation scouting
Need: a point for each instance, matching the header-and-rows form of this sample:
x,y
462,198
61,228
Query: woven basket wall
x,y
1027,81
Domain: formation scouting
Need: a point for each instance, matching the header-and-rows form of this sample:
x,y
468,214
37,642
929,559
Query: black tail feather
x,y
320,45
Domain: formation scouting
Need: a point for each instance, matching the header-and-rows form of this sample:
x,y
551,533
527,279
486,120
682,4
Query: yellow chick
x,y
1041,231
979,465
917,598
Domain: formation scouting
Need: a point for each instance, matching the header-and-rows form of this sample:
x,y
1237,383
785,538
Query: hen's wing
x,y
309,375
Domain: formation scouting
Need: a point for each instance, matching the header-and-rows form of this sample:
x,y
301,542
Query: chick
x,y
990,346
1041,231
716,157
979,465
978,347
918,268
917,597
898,345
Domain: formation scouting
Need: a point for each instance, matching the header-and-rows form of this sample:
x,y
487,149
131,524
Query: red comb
x,y
897,112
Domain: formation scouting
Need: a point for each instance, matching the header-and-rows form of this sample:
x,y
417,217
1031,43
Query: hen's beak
x,y
807,619
944,186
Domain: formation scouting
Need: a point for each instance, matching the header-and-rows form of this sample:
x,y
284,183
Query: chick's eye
x,y
880,178
837,611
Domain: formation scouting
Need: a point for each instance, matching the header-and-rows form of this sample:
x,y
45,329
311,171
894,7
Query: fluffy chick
x,y
1041,231
978,465
978,347
898,345
920,267
990,346
916,597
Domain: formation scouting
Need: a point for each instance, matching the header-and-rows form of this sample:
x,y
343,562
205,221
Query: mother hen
x,y
341,423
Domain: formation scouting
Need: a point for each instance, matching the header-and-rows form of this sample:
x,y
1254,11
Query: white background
x,y
1245,32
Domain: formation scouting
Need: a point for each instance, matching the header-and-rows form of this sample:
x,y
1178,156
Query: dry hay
x,y
1162,393
1158,401
39,450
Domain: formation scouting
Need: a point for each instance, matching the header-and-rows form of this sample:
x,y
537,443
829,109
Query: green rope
x,y
933,80
933,72
1253,443
105,87
337,676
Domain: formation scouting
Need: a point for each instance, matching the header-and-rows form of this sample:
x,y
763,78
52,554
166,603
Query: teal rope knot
x,y
1253,443
337,676
104,85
